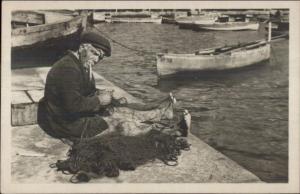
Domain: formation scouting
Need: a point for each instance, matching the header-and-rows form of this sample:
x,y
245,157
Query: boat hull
x,y
47,34
136,20
98,17
168,64
185,24
42,45
191,22
166,20
27,18
232,26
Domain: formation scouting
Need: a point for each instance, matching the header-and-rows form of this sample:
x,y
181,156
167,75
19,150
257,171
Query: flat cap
x,y
97,41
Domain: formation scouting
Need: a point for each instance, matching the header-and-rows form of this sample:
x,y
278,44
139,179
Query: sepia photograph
x,y
141,97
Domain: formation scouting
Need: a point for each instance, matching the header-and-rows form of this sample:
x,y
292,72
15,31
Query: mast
x,y
270,31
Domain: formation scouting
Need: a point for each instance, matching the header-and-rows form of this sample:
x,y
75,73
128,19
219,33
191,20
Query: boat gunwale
x,y
47,26
231,23
259,44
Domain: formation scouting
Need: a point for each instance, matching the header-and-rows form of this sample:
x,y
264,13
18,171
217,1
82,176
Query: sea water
x,y
242,113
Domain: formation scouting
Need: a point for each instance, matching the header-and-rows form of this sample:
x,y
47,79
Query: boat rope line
x,y
125,46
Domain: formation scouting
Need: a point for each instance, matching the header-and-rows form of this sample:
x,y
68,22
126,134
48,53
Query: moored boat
x,y
26,18
228,26
136,20
35,44
192,21
219,58
134,17
226,23
185,23
170,18
47,34
222,58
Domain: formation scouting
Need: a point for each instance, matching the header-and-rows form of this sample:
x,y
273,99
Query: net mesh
x,y
107,155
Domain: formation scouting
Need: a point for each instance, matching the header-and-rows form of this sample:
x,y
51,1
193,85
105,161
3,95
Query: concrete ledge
x,y
33,150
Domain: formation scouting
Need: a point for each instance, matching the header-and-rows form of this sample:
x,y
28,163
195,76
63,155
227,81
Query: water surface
x,y
242,113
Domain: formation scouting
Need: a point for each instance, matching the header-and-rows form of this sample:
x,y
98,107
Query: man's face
x,y
89,54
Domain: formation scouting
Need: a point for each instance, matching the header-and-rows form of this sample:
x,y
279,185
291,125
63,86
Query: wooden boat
x,y
46,34
172,17
190,22
222,58
134,17
229,26
226,23
34,44
219,58
136,20
185,23
26,18
168,20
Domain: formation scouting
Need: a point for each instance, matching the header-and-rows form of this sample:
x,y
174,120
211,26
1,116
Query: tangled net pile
x,y
106,155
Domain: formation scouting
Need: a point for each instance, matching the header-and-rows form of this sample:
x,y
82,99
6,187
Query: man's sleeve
x,y
72,99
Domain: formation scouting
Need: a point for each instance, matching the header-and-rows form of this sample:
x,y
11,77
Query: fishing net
x,y
107,155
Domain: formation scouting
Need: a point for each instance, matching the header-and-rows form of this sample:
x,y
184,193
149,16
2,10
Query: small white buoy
x,y
188,119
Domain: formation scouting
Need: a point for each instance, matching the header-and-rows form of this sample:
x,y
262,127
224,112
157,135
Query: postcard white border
x,y
294,74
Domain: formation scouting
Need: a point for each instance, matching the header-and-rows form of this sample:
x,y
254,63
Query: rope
x,y
123,45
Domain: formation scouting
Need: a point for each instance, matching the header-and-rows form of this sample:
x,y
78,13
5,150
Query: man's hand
x,y
109,97
119,102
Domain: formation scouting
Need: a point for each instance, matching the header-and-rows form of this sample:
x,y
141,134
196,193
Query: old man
x,y
71,105
70,101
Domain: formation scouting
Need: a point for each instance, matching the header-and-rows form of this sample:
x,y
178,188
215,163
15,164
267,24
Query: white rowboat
x,y
214,59
219,58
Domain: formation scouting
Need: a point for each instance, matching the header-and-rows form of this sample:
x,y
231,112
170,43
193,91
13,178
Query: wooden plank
x,y
26,79
24,114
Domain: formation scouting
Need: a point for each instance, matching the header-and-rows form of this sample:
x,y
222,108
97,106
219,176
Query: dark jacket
x,y
70,107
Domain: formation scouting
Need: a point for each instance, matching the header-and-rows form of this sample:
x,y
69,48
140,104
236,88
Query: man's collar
x,y
75,54
75,59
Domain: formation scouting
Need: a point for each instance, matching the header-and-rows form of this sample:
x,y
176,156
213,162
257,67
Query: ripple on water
x,y
242,113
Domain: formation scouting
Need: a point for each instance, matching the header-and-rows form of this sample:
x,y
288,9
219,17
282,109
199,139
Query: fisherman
x,y
71,105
